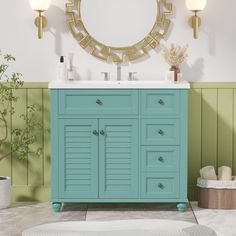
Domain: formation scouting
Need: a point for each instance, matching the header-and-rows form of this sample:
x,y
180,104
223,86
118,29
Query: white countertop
x,y
96,84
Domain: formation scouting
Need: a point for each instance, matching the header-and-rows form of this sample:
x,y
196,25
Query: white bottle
x,y
61,73
70,67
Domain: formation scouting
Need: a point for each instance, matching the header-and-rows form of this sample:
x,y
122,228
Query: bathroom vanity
x,y
120,141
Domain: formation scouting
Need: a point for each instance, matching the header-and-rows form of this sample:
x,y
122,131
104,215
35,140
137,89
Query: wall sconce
x,y
40,6
195,21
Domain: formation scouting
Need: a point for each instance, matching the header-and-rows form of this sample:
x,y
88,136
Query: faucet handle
x,y
106,75
132,76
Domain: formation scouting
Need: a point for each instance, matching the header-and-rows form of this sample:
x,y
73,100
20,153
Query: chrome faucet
x,y
132,76
106,75
118,71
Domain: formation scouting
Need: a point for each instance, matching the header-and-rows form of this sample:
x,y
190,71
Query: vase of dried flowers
x,y
176,71
174,56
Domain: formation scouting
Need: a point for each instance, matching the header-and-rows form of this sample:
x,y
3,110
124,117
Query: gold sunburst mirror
x,y
118,30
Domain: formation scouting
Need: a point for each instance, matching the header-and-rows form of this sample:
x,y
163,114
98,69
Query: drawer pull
x,y
161,132
161,186
161,159
102,132
99,102
95,132
161,102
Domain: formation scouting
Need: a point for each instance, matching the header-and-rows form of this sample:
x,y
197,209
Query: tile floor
x,y
222,221
25,215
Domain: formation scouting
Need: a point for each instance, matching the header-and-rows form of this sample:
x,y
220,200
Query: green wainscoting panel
x,y
19,167
209,127
212,137
212,130
5,164
46,142
234,133
35,164
225,127
195,144
30,179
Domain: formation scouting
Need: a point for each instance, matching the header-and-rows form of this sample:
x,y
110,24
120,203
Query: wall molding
x,y
213,85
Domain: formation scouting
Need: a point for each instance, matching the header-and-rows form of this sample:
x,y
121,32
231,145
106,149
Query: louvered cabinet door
x,y
78,158
118,158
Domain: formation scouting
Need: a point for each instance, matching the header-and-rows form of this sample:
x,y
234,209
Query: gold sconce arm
x,y
195,22
40,6
40,22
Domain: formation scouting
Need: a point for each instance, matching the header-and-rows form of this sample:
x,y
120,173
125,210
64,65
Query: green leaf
x,y
9,57
22,137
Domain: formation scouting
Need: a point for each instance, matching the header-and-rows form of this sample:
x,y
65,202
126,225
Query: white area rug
x,y
120,228
222,221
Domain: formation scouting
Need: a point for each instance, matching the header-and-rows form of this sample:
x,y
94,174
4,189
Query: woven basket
x,y
215,194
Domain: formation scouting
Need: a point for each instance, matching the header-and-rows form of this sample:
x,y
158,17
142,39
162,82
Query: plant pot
x,y
176,71
5,192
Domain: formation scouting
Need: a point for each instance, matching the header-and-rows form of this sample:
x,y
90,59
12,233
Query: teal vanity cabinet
x,y
119,145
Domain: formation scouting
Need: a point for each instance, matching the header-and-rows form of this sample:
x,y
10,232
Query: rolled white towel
x,y
224,173
208,172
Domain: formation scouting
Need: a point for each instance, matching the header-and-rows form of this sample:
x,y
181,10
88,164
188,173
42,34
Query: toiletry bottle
x,y
61,73
70,67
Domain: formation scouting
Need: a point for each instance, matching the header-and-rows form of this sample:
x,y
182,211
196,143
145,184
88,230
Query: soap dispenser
x,y
61,73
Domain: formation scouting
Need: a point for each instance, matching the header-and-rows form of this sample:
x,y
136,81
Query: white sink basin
x,y
119,84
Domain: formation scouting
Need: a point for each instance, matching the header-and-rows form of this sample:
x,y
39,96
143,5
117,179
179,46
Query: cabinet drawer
x,y
160,102
160,158
165,185
108,102
160,132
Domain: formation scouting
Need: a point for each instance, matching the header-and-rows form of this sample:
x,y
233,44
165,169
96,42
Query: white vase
x,y
5,192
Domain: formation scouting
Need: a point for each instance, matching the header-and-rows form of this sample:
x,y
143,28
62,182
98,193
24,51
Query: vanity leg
x,y
56,206
181,206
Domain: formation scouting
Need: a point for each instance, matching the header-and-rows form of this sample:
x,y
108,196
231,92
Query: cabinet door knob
x,y
95,132
102,132
161,186
161,132
99,102
161,102
161,159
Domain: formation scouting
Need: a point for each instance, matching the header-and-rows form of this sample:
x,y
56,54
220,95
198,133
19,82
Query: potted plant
x,y
174,55
22,138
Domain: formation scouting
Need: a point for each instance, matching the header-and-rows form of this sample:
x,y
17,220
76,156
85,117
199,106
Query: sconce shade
x,y
40,5
196,5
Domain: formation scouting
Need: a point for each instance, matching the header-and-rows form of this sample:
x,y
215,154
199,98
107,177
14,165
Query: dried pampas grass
x,y
175,54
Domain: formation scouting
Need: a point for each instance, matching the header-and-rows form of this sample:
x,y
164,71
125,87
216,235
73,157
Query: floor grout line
x,y
86,212
193,212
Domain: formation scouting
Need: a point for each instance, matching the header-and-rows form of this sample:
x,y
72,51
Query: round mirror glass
x,y
118,23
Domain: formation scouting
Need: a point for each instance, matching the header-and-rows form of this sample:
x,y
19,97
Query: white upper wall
x,y
211,58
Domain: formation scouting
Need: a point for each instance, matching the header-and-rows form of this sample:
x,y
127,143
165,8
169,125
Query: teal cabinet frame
x,y
118,158
110,151
160,158
78,158
95,102
160,102
160,185
157,131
